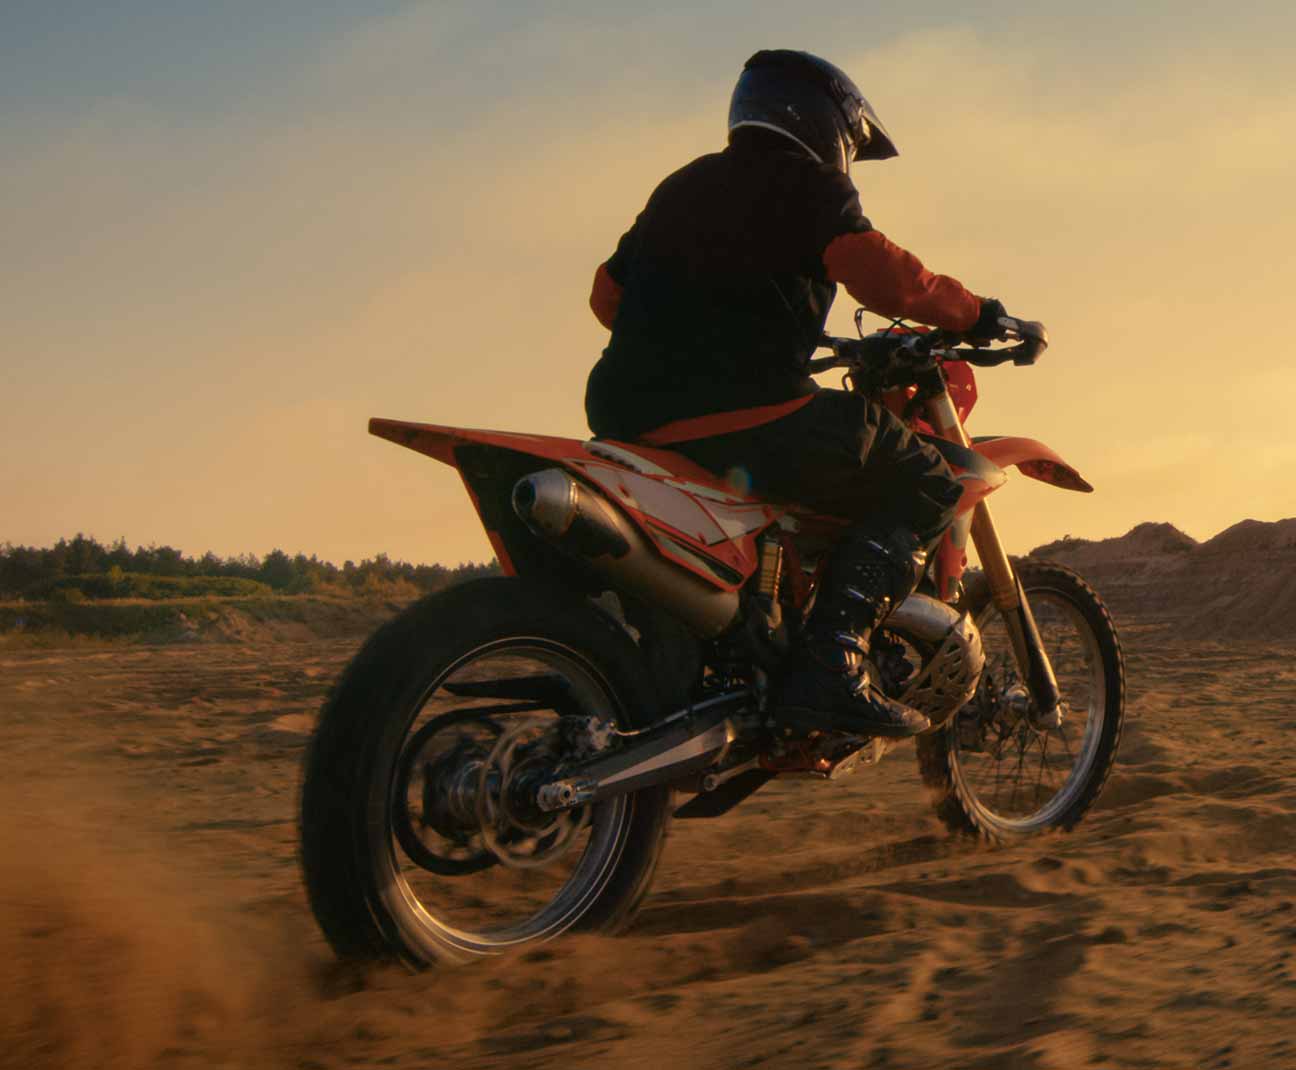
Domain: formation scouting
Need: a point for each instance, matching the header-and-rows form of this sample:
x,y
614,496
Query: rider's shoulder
x,y
819,179
831,179
693,172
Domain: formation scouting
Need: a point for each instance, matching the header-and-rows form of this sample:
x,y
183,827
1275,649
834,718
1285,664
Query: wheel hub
x,y
450,792
434,796
1014,705
513,826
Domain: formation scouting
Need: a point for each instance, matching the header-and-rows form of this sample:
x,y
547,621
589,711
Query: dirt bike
x,y
499,763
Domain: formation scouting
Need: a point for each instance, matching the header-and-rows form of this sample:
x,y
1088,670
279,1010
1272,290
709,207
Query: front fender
x,y
1033,459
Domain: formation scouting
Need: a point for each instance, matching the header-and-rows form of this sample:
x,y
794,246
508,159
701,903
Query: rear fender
x,y
688,514
1033,459
441,442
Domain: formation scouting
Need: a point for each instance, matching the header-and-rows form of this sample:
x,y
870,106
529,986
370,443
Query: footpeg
x,y
725,796
825,756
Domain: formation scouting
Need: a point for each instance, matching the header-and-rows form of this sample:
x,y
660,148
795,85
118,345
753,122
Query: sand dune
x,y
154,915
1239,584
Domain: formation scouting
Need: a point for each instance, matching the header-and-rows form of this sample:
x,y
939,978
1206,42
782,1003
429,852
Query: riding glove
x,y
987,327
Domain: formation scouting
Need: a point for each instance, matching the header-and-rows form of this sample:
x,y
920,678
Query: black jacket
x,y
724,293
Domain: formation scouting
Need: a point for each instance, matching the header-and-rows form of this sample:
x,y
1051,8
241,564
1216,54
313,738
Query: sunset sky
x,y
233,232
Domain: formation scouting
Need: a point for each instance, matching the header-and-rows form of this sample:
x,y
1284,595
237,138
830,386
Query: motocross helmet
x,y
812,102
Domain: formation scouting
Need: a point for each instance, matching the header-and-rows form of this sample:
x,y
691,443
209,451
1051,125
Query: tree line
x,y
85,565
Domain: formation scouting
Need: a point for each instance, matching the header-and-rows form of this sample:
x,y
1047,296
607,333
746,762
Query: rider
x,y
717,296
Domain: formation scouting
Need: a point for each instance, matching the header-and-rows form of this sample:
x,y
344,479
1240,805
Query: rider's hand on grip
x,y
988,327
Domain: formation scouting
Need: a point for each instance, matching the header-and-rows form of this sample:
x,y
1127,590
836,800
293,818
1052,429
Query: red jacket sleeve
x,y
605,296
892,282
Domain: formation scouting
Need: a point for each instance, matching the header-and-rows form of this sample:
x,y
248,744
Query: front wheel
x,y
994,770
417,841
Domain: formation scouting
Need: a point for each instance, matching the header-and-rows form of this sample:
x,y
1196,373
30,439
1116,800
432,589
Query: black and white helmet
x,y
814,103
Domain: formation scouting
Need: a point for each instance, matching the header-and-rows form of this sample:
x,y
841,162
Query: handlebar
x,y
1031,338
882,346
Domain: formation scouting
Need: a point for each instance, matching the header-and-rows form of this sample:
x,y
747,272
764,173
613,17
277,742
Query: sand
x,y
154,915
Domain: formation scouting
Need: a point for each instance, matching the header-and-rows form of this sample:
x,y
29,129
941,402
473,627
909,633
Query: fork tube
x,y
1005,589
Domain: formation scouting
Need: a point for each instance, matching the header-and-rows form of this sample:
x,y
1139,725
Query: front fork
x,y
1005,588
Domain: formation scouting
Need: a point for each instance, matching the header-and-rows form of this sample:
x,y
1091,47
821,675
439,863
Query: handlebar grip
x,y
1034,341
1026,353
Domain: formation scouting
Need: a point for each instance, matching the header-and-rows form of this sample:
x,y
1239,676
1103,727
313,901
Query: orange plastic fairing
x,y
1033,459
689,514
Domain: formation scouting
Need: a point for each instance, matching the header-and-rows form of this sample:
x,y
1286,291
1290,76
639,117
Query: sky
x,y
232,233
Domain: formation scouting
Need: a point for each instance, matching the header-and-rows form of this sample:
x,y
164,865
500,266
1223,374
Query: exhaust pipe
x,y
949,678
581,522
924,618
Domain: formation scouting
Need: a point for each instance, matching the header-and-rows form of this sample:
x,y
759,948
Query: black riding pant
x,y
842,455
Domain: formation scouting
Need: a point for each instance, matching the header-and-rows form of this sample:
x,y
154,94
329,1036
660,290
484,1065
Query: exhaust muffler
x,y
581,522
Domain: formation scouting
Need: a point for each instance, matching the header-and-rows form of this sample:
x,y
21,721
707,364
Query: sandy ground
x,y
153,914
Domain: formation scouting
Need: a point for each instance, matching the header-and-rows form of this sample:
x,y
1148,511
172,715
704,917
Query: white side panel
x,y
656,499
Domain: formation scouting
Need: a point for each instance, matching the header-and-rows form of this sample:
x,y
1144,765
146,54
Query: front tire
x,y
374,896
973,765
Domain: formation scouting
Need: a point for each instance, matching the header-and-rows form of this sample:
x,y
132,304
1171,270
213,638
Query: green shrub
x,y
154,588
163,572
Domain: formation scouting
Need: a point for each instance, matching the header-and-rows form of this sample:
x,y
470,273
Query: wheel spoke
x,y
995,780
1039,772
1021,759
1056,779
999,767
1066,742
484,870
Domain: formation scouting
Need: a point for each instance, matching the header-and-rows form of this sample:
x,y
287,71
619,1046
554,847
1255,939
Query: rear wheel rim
x,y
1030,779
452,917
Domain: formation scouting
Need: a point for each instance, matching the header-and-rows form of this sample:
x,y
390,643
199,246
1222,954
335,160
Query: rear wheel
x,y
994,770
418,837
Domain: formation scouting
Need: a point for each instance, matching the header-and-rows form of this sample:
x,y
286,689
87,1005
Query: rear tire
x,y
945,767
346,849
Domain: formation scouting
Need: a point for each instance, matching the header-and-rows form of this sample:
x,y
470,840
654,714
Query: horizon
x,y
234,237
197,556
194,555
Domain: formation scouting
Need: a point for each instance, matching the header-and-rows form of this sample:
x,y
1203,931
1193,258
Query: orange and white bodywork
x,y
687,516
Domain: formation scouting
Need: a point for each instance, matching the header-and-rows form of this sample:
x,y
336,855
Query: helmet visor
x,y
872,142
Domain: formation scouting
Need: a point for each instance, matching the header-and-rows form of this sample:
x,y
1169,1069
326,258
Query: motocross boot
x,y
831,683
